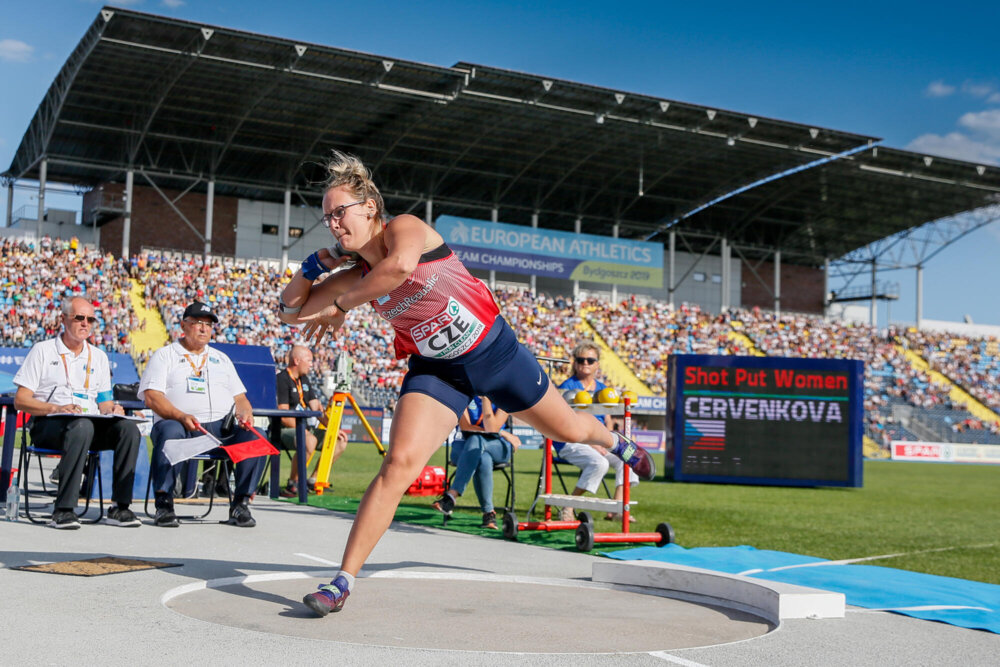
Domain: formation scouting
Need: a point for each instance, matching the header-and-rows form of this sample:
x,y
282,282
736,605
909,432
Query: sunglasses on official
x,y
337,214
85,318
585,360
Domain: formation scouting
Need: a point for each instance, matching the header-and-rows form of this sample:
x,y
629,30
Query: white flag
x,y
181,449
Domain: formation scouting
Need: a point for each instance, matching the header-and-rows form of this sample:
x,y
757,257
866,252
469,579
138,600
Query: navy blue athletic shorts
x,y
499,368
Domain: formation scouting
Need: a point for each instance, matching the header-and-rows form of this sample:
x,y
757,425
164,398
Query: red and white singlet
x,y
441,312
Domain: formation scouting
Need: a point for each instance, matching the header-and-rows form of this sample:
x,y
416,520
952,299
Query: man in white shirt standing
x,y
188,384
64,376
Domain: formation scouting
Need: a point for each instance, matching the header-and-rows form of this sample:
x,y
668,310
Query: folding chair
x,y
506,468
557,461
212,472
92,470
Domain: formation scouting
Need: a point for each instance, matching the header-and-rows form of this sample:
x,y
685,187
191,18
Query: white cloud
x,y
994,98
984,122
939,89
978,89
959,146
172,4
15,51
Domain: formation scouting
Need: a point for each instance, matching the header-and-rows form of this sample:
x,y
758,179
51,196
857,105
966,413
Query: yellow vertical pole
x,y
334,415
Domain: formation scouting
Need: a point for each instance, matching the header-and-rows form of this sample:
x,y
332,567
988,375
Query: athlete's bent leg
x,y
419,426
554,418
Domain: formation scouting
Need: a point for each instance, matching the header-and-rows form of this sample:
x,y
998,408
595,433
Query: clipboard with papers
x,y
133,418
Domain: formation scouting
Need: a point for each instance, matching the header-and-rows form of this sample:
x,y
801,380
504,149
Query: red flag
x,y
250,449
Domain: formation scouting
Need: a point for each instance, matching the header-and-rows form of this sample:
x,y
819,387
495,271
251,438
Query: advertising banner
x,y
944,452
654,441
481,244
122,367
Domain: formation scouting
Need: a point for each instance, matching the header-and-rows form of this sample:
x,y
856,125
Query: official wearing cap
x,y
188,384
69,377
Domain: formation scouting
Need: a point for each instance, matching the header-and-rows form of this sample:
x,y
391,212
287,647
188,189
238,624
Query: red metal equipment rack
x,y
586,537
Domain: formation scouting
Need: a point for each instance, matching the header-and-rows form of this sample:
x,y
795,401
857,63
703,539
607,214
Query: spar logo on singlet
x,y
450,333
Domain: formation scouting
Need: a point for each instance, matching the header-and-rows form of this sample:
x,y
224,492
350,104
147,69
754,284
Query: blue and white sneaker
x,y
329,597
636,457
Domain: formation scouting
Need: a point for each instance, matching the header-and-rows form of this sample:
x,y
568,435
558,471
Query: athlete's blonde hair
x,y
347,169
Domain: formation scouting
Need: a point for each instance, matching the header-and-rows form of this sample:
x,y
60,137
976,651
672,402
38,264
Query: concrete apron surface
x,y
425,595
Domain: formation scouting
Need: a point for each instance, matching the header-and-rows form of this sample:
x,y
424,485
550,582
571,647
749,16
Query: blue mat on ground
x,y
967,604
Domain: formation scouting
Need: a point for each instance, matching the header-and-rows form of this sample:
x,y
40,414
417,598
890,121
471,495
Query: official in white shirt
x,y
67,375
188,384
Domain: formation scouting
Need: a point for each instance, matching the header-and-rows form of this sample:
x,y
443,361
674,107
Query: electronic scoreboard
x,y
765,420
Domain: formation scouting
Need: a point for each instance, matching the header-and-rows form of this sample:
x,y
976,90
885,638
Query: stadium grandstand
x,y
213,196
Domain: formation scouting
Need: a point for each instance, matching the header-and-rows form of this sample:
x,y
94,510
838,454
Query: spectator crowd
x,y
33,284
643,333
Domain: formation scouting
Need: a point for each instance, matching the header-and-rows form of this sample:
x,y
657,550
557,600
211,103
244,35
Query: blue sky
x,y
924,76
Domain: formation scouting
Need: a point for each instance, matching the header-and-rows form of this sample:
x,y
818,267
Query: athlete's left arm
x,y
405,237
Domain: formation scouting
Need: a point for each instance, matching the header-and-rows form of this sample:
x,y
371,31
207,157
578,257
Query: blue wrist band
x,y
312,268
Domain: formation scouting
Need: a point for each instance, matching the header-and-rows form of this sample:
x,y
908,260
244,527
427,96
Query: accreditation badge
x,y
197,385
82,399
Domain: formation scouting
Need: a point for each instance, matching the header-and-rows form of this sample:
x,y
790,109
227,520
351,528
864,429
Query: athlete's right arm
x,y
318,296
298,289
405,238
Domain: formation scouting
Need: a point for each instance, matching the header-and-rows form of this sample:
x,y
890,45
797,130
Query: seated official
x,y
68,375
484,443
592,461
294,393
188,384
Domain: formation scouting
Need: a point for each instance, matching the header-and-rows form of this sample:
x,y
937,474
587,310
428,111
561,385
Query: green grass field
x,y
944,518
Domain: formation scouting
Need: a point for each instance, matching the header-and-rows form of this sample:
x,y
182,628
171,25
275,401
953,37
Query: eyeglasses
x,y
338,213
204,323
585,360
85,318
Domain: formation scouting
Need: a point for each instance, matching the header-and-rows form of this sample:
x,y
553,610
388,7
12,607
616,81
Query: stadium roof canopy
x,y
183,103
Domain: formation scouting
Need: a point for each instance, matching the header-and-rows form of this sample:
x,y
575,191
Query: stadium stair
x,y
155,334
618,373
871,450
736,335
957,395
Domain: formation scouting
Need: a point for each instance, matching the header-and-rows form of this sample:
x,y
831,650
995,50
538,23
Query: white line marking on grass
x,y
318,559
848,561
663,655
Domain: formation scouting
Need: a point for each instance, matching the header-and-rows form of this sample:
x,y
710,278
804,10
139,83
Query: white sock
x,y
619,445
349,578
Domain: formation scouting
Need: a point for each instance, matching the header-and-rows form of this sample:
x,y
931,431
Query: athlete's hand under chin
x,y
316,325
